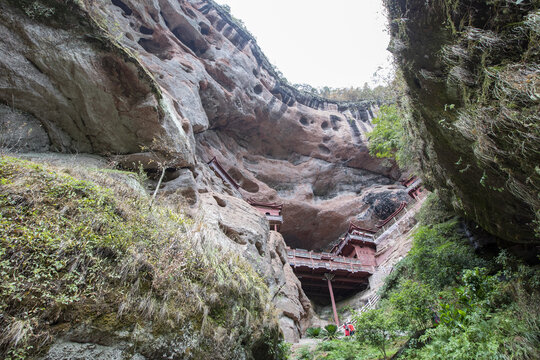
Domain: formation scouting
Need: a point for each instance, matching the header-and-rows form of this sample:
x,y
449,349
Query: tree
x,y
306,88
375,327
440,253
385,139
413,305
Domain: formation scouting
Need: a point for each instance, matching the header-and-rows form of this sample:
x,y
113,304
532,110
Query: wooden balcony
x,y
276,218
326,261
349,275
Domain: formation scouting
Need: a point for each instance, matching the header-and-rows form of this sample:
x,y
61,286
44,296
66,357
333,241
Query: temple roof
x,y
353,227
261,204
351,238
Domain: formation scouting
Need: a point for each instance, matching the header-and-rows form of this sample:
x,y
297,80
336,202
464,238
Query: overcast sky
x,y
338,43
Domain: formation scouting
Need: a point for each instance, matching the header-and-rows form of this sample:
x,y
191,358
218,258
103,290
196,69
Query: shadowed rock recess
x,y
473,77
168,85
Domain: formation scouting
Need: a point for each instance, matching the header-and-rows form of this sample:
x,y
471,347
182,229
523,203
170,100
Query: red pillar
x,y
329,278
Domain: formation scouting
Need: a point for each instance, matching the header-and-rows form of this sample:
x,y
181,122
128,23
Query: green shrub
x,y
433,211
481,316
330,332
375,327
440,254
283,350
467,328
344,350
387,134
413,305
475,341
476,324
313,332
304,353
402,270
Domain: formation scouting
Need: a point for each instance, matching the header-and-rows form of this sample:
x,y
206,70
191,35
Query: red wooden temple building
x,y
414,186
337,274
272,213
344,270
358,243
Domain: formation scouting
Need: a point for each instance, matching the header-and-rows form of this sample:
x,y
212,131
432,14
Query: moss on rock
x,y
474,81
92,263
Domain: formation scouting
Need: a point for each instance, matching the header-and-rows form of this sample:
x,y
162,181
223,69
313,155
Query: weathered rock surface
x,y
21,132
170,84
472,72
152,81
182,184
239,227
73,350
315,192
89,93
296,313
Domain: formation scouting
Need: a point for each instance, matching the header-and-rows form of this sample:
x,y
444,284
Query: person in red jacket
x,y
346,329
351,329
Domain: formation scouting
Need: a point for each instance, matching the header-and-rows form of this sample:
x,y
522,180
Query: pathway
x,y
310,343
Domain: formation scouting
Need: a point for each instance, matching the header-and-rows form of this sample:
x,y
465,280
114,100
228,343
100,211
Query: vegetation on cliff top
x,y
82,248
387,138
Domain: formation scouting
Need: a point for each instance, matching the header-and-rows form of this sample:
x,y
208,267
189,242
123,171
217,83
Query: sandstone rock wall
x,y
170,84
236,226
296,312
88,92
472,72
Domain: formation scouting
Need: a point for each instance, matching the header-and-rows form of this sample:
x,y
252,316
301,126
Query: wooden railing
x,y
371,303
223,174
398,216
275,218
324,260
394,214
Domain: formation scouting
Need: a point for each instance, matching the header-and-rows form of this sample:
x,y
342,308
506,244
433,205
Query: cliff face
x,y
473,78
90,271
169,84
174,83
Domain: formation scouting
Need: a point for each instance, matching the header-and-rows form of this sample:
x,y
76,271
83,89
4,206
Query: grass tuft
x,y
86,248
